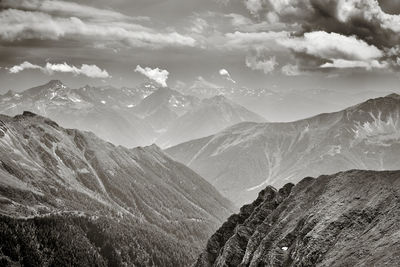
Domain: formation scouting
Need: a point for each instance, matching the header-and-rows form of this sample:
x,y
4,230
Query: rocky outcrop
x,y
347,219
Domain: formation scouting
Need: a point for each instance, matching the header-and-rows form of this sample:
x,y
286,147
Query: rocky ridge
x,y
346,219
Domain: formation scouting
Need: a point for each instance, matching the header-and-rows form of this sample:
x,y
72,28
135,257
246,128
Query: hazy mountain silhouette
x,y
248,156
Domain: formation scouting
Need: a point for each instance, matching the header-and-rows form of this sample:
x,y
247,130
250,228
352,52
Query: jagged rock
x,y
347,219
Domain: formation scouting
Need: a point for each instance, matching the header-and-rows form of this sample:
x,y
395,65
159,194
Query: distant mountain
x,y
118,97
210,116
138,116
347,219
283,105
248,156
164,106
89,202
203,89
105,110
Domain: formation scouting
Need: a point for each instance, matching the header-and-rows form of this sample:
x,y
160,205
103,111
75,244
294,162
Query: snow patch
x,y
175,102
84,171
75,99
335,150
304,132
379,130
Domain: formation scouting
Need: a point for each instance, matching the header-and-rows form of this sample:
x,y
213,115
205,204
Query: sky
x,y
350,45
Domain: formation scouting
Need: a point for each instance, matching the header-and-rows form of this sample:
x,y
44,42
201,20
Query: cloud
x,y
91,71
23,66
255,62
160,76
345,64
253,40
363,18
332,45
63,8
224,73
335,33
332,50
290,70
254,6
17,25
245,24
199,25
222,2
390,6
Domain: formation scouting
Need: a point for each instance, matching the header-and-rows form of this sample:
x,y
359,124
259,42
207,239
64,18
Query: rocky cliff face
x,y
347,219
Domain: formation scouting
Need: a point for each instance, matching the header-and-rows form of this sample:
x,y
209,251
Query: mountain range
x,y
130,117
346,219
284,105
246,157
210,115
64,190
71,198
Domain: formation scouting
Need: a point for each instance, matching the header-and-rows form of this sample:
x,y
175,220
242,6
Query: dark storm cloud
x,y
360,25
390,6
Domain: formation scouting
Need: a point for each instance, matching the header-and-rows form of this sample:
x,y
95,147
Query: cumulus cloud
x,y
290,70
91,71
158,75
224,73
332,45
23,66
35,23
267,65
335,33
363,18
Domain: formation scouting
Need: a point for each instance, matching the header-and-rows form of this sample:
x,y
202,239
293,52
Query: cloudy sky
x,y
284,44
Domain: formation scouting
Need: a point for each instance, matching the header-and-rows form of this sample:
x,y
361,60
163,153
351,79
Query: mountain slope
x,y
210,116
50,171
346,219
248,156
